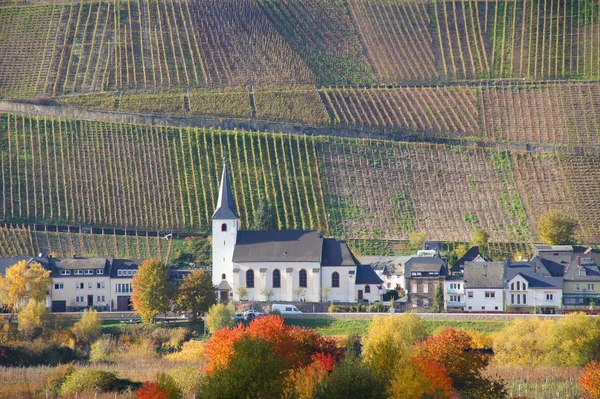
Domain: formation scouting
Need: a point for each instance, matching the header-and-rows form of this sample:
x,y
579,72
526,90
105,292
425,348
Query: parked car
x,y
252,314
286,309
238,317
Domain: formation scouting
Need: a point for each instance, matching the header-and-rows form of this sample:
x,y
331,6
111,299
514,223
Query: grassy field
x,y
360,327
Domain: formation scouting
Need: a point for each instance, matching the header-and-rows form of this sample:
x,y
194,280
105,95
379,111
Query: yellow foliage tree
x,y
32,319
88,329
573,341
389,339
151,290
556,227
522,342
23,281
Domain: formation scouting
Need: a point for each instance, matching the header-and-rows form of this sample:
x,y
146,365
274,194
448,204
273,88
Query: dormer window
x,y
65,272
224,227
99,271
78,272
89,272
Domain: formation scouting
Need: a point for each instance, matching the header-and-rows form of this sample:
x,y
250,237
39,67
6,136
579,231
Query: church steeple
x,y
226,203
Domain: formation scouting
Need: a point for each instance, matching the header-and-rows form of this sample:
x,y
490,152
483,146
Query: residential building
x,y
530,287
472,255
581,289
121,279
282,265
454,293
423,274
484,286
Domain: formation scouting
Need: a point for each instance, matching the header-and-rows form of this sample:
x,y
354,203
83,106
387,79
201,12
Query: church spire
x,y
226,203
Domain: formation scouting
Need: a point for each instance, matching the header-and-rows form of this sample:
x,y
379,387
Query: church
x,y
283,265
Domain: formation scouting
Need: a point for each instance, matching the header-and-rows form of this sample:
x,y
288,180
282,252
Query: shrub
x,y
522,342
88,380
220,316
192,351
151,390
420,378
351,379
189,380
168,385
589,383
88,329
36,353
32,319
102,349
57,377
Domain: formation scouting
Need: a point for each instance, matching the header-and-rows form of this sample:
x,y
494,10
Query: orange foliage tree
x,y
453,349
151,390
295,346
589,382
420,378
302,382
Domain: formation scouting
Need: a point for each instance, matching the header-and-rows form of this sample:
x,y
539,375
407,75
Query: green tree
x,y
416,239
195,294
438,299
197,250
88,329
253,372
152,291
220,316
23,281
264,216
242,292
267,293
556,227
390,339
480,238
353,378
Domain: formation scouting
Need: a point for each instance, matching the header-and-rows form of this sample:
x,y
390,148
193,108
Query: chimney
x,y
578,260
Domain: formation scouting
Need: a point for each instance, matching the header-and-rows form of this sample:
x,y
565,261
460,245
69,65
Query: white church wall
x,y
223,246
345,291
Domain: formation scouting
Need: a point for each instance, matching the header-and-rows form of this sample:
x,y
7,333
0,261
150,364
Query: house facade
x,y
423,274
531,287
484,286
282,265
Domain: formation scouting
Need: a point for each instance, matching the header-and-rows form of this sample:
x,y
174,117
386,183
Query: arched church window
x,y
223,276
224,227
303,279
276,278
367,289
335,280
250,278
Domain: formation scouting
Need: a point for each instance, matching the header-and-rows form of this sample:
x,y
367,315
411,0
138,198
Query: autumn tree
x,y
416,239
453,349
589,382
556,227
151,290
420,378
303,382
390,339
220,316
24,280
195,294
352,378
33,318
573,340
438,298
480,238
88,329
253,371
522,342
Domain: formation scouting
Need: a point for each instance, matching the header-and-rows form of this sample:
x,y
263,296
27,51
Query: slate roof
x,y
79,263
535,273
587,271
424,264
366,275
484,275
120,264
278,246
337,253
226,202
470,256
388,265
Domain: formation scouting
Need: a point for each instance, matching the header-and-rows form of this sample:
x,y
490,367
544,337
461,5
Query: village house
x,y
484,286
423,273
283,265
531,287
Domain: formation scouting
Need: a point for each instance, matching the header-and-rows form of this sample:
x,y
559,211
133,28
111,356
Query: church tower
x,y
225,226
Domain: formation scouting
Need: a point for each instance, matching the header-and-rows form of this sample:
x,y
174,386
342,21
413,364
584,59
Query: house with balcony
x,y
530,287
484,286
121,274
454,293
581,289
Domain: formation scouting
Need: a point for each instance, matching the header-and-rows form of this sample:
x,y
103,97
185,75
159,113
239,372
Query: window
x,y
65,272
335,280
89,284
119,273
512,286
470,307
518,299
591,287
455,286
483,308
413,287
224,227
454,298
100,285
414,302
425,303
518,285
367,289
276,278
524,287
549,297
250,278
59,286
99,271
490,294
89,272
79,286
512,299
524,299
577,288
79,299
496,308
78,272
223,276
100,298
303,282
123,288
426,287
470,294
